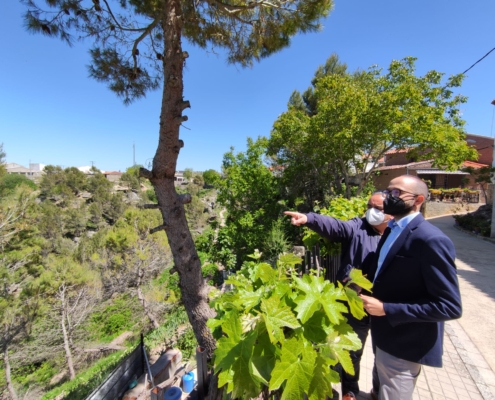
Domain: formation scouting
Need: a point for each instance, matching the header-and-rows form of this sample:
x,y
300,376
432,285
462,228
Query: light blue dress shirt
x,y
397,228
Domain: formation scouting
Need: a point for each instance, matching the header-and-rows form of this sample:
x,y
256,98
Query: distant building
x,y
400,162
112,176
179,177
87,169
34,171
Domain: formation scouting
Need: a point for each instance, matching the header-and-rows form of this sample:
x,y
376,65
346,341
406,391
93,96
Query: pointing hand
x,y
296,218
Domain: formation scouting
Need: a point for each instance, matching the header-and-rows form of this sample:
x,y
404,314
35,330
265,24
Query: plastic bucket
x,y
173,393
188,382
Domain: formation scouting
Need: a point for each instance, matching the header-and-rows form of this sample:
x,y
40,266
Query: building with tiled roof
x,y
397,162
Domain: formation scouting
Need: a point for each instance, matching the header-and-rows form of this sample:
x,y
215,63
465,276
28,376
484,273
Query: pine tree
x,y
137,46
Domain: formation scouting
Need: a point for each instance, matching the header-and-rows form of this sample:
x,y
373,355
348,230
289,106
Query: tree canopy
x,y
360,117
249,193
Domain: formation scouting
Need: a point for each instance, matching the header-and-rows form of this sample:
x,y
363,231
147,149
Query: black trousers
x,y
350,382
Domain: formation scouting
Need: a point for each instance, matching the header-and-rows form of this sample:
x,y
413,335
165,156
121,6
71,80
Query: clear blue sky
x,y
52,113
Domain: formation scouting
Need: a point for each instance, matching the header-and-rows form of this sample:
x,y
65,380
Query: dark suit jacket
x,y
419,288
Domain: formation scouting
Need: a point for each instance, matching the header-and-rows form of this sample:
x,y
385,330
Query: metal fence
x,y
327,264
117,383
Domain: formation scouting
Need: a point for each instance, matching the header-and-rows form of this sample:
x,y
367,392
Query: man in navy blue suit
x,y
415,289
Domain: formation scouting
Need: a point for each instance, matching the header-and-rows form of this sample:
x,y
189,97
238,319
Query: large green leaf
x,y
295,368
320,386
266,273
359,279
314,328
245,385
264,358
248,299
332,307
227,350
318,294
311,299
355,303
277,316
340,341
289,259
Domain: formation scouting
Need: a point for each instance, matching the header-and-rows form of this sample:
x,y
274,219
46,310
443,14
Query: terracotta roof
x,y
112,173
395,151
414,165
473,164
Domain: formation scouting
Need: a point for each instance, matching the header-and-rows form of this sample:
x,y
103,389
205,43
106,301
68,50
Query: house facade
x,y
34,171
399,162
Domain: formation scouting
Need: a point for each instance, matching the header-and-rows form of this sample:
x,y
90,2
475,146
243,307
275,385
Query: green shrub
x,y
474,223
152,196
10,181
187,344
166,332
211,272
113,320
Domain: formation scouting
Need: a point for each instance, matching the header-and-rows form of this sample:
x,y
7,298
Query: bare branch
x,y
117,22
185,198
145,173
158,228
151,206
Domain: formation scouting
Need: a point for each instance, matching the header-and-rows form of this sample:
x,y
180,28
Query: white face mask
x,y
375,217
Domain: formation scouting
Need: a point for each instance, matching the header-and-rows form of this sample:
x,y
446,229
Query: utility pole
x,y
492,232
133,154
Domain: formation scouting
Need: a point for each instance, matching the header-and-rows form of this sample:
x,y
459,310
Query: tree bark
x,y
63,317
186,260
8,377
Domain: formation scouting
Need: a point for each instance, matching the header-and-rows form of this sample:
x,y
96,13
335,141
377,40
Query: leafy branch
x,y
279,334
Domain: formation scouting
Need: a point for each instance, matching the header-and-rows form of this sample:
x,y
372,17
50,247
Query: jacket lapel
x,y
399,242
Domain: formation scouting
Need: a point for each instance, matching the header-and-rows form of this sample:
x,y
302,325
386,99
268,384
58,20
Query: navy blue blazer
x,y
419,288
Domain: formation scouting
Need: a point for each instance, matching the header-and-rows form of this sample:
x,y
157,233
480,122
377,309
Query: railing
x,y
117,383
327,264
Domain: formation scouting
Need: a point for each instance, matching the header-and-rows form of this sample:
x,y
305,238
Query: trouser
x,y
397,376
350,383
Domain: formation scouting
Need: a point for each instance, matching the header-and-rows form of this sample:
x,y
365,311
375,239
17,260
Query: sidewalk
x,y
469,347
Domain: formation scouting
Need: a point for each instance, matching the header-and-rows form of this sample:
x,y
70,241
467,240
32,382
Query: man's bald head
x,y
411,184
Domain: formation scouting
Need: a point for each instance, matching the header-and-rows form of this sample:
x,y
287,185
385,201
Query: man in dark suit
x,y
415,289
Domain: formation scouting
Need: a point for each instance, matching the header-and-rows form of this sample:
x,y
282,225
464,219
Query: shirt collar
x,y
402,223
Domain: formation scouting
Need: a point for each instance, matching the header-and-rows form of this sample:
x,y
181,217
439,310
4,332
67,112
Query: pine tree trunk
x,y
186,260
8,378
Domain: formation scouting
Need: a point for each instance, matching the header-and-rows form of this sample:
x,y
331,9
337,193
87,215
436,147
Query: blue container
x,y
188,382
173,393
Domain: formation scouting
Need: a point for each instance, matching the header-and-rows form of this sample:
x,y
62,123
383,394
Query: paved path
x,y
469,350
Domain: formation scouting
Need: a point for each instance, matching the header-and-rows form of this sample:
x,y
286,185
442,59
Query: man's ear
x,y
419,199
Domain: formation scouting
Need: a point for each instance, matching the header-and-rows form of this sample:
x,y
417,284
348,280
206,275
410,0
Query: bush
x,y
187,344
474,223
211,272
10,181
114,319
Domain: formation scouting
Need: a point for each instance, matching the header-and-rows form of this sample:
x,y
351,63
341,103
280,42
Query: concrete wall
x,y
436,209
